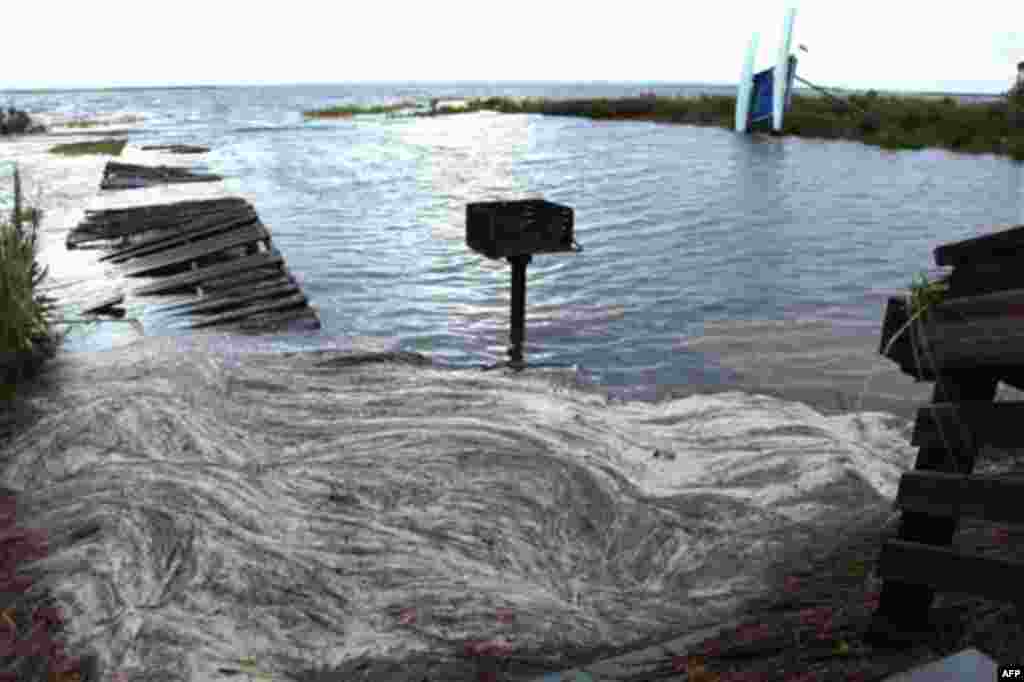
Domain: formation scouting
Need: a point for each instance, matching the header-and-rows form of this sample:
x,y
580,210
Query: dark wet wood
x,y
285,303
116,223
905,604
191,279
130,176
104,304
1002,244
948,570
247,278
302,319
196,250
215,304
991,497
201,227
967,426
177,148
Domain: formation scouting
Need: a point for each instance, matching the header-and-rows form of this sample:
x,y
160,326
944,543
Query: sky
x,y
888,45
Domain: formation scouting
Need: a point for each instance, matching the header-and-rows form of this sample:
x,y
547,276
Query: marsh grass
x,y
110,146
890,122
25,325
349,110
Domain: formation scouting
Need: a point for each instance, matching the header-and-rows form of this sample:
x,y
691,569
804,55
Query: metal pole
x,y
519,263
829,94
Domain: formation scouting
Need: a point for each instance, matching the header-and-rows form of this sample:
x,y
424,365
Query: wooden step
x,y
250,311
219,285
201,227
989,497
1006,242
968,425
197,277
241,236
250,281
948,570
276,289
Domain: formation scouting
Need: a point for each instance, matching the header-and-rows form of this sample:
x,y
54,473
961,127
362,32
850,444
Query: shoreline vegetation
x,y
887,121
26,337
107,146
350,110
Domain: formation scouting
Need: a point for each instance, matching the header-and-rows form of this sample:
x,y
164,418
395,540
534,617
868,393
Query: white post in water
x,y
743,91
781,76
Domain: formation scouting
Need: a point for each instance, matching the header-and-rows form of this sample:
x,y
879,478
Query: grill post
x,y
518,316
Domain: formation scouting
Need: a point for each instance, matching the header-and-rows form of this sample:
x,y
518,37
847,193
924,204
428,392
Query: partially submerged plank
x,y
196,277
1007,242
969,425
201,227
177,148
118,175
128,222
989,497
299,319
248,234
249,311
209,306
948,570
104,304
248,278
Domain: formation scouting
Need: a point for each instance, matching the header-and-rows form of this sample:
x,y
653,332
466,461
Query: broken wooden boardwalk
x,y
129,176
216,249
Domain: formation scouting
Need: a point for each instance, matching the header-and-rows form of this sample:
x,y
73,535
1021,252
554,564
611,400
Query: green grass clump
x,y
24,325
349,110
925,294
112,147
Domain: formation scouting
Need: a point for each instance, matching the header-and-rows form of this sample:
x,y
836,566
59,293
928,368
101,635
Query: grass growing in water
x,y
112,147
891,122
349,110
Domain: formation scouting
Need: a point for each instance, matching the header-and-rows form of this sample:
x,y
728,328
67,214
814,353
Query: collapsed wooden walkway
x,y
216,250
129,176
966,344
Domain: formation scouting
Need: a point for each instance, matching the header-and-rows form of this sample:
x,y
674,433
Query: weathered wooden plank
x,y
175,206
975,279
249,277
989,497
249,311
983,342
994,303
196,250
985,247
104,303
201,227
135,221
177,148
187,279
209,306
969,425
300,319
946,570
118,175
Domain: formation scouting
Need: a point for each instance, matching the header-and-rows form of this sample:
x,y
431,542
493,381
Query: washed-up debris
x,y
130,176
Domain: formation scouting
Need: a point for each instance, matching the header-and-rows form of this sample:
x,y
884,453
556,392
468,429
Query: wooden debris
x,y
177,148
187,253
104,305
132,222
210,246
129,176
293,301
196,277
